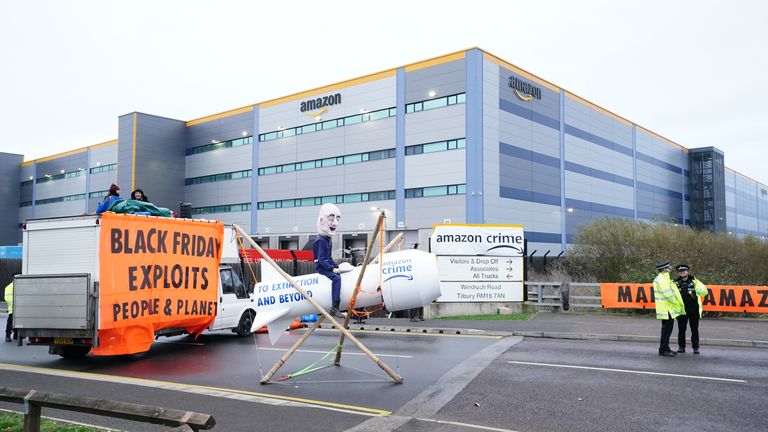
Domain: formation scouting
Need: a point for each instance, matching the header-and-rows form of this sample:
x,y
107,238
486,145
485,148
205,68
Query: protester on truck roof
x,y
112,197
139,195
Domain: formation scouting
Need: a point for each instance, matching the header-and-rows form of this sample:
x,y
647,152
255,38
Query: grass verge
x,y
13,422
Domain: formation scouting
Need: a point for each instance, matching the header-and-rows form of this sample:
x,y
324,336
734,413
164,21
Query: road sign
x,y
497,240
481,291
479,263
480,268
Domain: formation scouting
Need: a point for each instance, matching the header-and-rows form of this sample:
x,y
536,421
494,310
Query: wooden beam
x,y
353,299
108,408
265,379
397,378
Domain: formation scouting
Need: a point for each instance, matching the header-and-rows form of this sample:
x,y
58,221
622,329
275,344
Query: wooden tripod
x,y
324,314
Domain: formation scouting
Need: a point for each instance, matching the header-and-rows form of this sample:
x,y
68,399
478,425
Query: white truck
x,y
56,298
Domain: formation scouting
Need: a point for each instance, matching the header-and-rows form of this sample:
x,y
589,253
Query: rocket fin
x,y
277,328
268,272
265,317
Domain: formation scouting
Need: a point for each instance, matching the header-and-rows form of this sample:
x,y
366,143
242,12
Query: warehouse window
x,y
49,177
328,124
436,146
98,194
433,191
227,208
61,199
220,145
103,168
234,175
333,161
435,103
26,183
332,199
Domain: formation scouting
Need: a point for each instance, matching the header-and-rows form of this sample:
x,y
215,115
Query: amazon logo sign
x,y
402,268
524,90
318,106
478,240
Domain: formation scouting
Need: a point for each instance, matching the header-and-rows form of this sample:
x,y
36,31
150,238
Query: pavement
x,y
742,332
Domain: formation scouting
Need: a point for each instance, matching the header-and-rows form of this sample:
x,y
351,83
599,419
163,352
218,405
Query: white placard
x,y
488,240
480,268
481,291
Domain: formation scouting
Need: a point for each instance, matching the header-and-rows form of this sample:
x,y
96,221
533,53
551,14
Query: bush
x,y
619,250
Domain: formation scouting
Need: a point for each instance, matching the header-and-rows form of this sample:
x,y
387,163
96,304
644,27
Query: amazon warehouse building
x,y
465,138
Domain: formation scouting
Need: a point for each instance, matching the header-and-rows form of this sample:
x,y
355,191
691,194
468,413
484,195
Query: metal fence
x,y
565,295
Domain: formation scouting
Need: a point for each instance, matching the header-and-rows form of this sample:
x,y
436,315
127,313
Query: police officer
x,y
669,305
692,291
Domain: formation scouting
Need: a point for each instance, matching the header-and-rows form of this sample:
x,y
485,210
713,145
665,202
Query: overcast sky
x,y
695,72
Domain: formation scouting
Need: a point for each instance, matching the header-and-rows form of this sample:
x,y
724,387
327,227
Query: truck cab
x,y
236,303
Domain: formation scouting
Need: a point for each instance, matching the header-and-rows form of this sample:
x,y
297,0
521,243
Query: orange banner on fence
x,y
721,298
155,273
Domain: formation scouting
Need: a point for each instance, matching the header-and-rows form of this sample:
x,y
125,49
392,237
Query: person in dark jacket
x,y
692,291
8,297
327,223
112,197
139,195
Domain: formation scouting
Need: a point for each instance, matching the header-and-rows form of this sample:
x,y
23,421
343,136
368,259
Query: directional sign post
x,y
479,263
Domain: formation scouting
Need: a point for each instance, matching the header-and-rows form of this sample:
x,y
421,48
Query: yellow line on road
x,y
419,333
167,385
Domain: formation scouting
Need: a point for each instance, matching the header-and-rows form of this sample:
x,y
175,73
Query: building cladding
x,y
461,138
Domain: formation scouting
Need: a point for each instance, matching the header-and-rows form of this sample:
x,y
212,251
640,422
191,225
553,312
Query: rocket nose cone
x,y
410,279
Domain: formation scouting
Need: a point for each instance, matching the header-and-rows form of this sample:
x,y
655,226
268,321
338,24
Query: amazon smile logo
x,y
319,106
514,248
407,277
524,90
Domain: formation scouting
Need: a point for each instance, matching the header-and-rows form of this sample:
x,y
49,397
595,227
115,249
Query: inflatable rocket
x,y
402,280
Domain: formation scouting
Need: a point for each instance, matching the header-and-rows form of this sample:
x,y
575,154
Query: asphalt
x,y
743,332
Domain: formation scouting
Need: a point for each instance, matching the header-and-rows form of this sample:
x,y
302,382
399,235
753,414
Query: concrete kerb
x,y
541,334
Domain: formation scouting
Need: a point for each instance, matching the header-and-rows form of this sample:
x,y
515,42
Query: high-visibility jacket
x,y
9,296
667,297
699,288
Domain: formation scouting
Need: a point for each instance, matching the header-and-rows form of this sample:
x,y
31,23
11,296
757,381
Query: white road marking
x,y
326,352
627,371
488,428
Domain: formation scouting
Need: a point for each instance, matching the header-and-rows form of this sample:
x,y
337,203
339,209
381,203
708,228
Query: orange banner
x,y
721,298
155,273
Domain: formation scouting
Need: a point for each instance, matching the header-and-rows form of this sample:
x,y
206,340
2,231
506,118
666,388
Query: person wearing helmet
x,y
692,291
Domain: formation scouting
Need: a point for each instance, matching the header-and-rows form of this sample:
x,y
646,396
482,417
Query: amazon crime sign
x,y
721,298
155,273
479,263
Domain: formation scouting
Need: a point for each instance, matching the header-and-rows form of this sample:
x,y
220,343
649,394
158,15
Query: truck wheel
x,y
73,352
246,321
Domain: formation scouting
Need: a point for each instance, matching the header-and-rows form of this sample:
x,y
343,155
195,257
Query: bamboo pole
x,y
397,378
265,379
353,299
389,246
